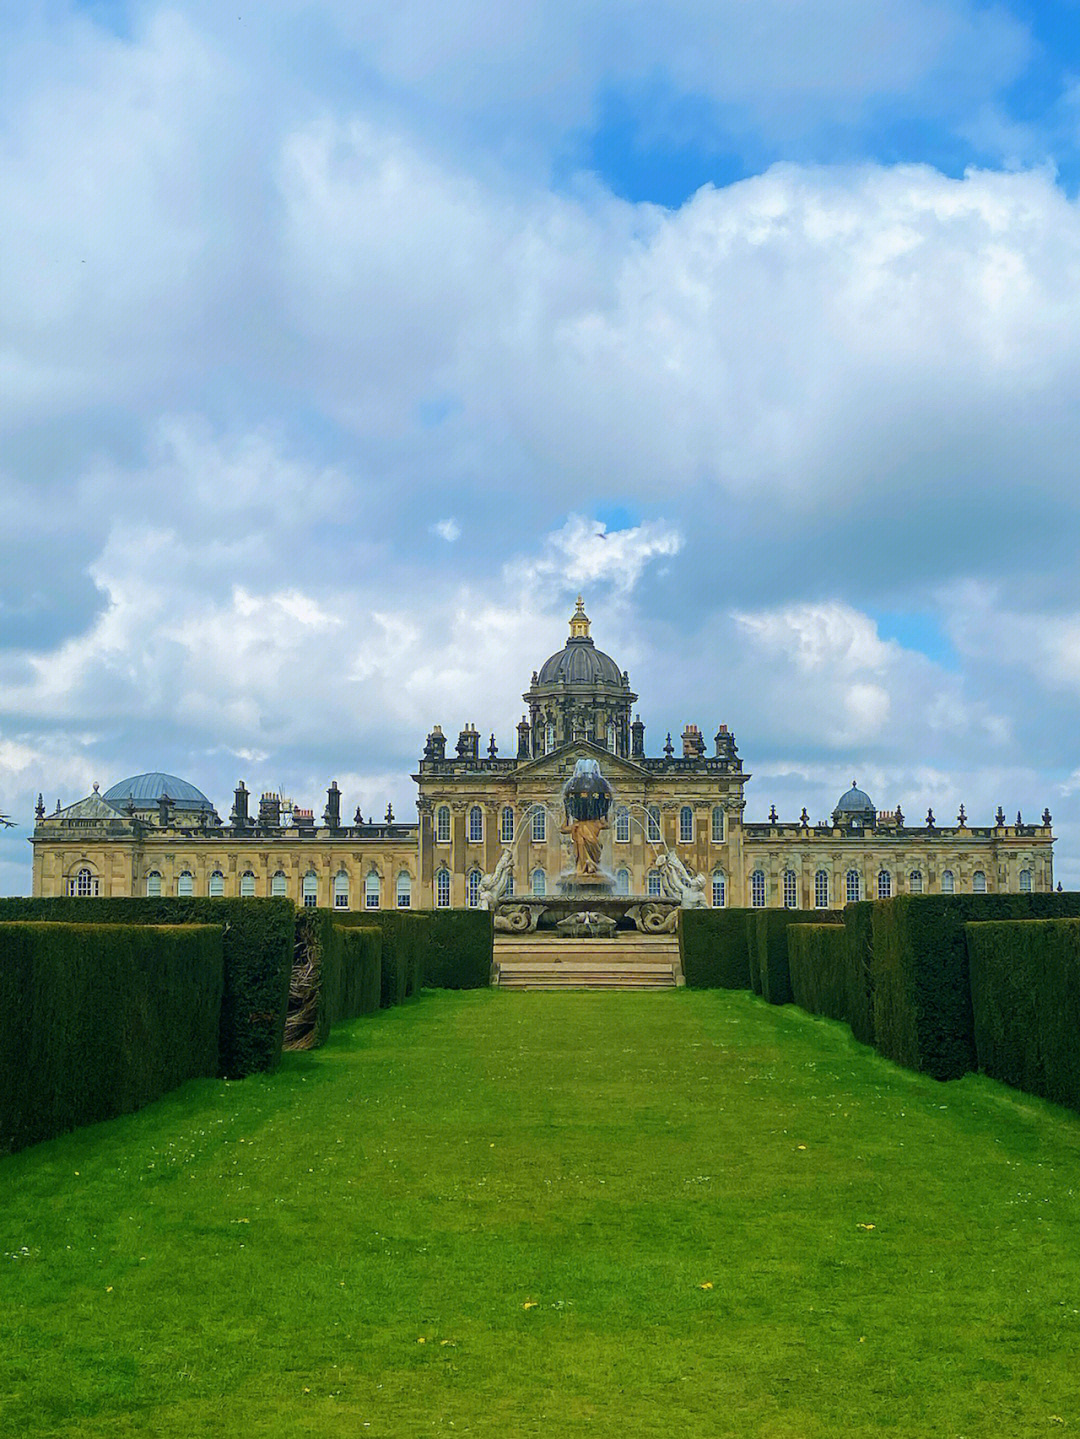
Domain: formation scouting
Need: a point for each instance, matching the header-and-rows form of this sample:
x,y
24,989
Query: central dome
x,y
579,662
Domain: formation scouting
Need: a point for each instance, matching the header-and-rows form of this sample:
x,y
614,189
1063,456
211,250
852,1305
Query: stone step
x,y
555,979
537,971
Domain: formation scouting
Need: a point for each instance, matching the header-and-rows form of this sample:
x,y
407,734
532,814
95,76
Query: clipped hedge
x,y
817,961
712,948
858,969
258,954
337,975
98,1020
753,954
922,985
362,972
406,944
1025,991
767,933
461,947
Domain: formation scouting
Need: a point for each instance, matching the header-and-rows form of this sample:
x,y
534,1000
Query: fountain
x,y
586,903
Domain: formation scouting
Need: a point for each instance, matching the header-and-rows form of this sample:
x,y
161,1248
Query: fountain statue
x,y
681,883
586,801
493,886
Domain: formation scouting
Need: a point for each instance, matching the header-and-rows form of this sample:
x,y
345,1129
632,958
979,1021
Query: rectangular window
x,y
686,825
653,826
539,826
622,826
717,825
719,891
821,889
506,832
442,824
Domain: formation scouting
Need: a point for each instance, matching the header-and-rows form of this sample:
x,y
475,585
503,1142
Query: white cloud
x,y
448,530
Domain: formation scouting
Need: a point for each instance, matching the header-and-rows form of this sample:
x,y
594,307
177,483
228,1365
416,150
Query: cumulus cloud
x,y
316,403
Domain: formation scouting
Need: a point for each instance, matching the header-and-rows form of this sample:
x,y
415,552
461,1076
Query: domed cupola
x,y
580,693
854,809
155,794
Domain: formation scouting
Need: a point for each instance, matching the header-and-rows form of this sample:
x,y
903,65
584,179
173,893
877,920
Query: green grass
x,y
264,1258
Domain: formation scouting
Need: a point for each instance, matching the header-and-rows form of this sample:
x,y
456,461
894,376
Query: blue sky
x,y
343,345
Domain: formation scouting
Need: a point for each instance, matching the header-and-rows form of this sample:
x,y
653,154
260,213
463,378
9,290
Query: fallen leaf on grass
x,y
706,1285
865,1226
531,1304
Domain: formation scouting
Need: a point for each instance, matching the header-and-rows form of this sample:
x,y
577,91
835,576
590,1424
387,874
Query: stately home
x,y
156,834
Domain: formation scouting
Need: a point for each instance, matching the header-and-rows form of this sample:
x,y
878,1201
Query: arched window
x,y
791,890
83,884
978,882
539,882
1025,881
153,884
884,884
372,889
442,889
717,824
311,889
185,883
279,885
653,824
476,825
719,889
622,881
821,889
948,882
757,889
853,886
622,825
506,826
247,884
686,825
653,888
442,824
403,891
539,826
341,890
472,888
217,884
915,881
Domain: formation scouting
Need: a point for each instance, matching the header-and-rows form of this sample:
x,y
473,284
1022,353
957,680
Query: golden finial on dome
x,y
579,622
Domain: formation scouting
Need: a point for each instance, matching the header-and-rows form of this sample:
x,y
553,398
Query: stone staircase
x,y
626,961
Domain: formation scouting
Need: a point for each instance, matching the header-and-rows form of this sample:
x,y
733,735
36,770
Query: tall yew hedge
x,y
712,947
1025,991
767,930
98,1020
258,955
859,969
922,986
817,960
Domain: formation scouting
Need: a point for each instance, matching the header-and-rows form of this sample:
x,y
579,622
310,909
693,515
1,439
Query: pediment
x,y
559,764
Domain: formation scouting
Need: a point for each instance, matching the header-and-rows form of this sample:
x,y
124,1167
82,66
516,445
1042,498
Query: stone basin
x,y
525,913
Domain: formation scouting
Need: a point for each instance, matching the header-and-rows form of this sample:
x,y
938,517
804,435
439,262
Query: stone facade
x,y
157,834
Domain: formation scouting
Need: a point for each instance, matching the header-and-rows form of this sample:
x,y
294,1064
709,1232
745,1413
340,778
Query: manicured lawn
x,y
511,1214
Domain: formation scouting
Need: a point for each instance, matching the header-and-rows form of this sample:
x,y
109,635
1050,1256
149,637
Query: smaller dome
x,y
854,801
145,790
